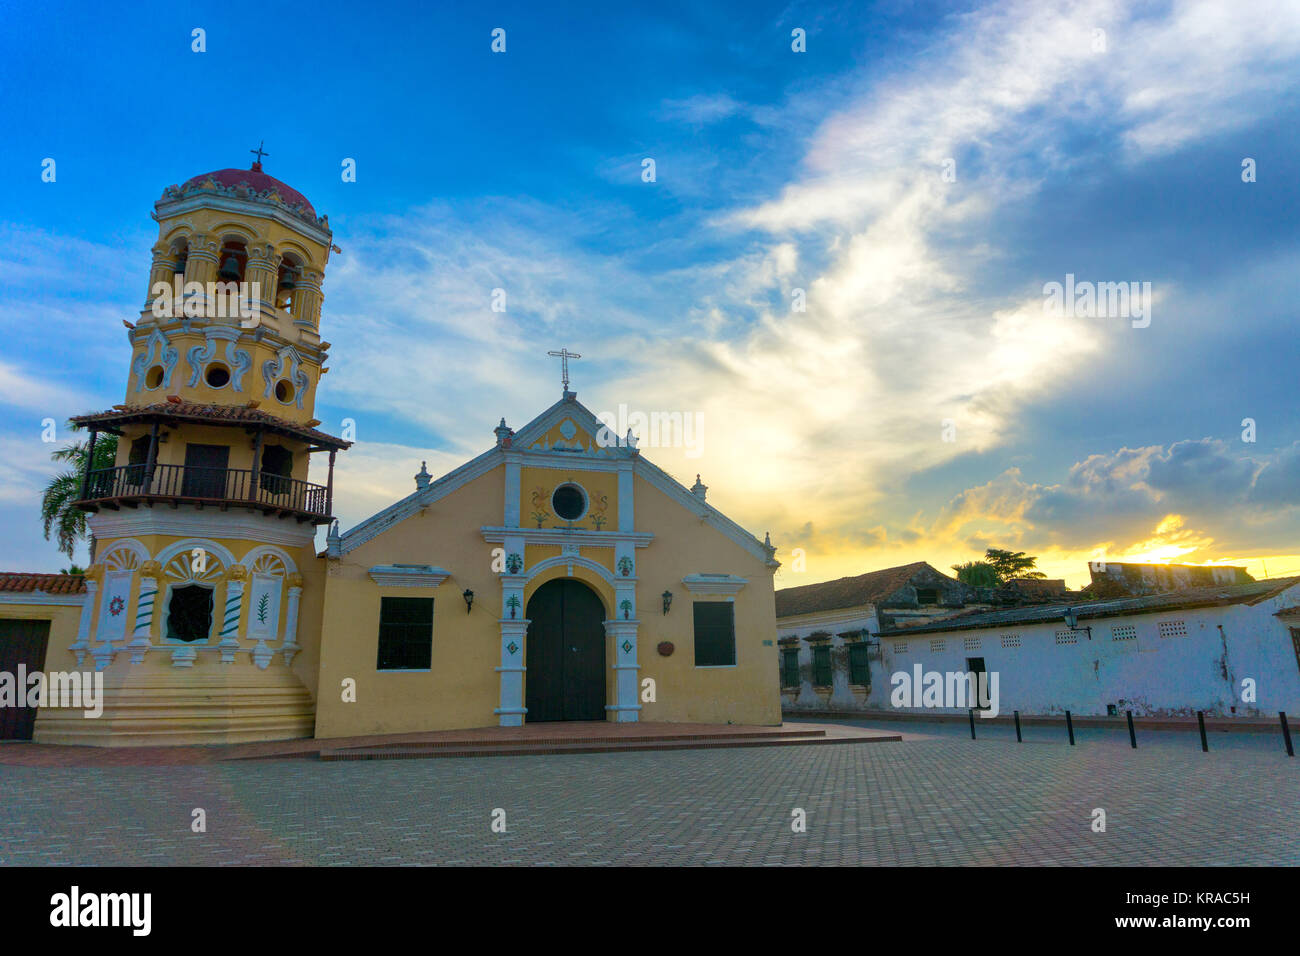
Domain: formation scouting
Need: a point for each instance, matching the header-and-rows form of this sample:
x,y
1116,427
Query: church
x,y
557,576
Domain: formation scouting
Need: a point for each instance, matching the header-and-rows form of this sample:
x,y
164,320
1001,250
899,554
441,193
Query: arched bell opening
x,y
180,256
232,261
286,283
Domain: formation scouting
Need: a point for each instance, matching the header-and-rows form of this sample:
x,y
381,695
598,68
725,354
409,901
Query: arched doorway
x,y
565,651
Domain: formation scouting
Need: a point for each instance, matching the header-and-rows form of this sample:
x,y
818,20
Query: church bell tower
x,y
204,526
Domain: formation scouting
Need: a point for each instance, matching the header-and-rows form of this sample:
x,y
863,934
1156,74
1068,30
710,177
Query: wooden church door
x,y
21,642
565,653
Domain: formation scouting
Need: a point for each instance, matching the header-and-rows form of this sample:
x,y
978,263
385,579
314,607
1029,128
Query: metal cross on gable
x,y
564,355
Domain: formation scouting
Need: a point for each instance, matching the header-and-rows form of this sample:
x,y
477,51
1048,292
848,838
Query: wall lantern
x,y
668,600
1072,622
469,599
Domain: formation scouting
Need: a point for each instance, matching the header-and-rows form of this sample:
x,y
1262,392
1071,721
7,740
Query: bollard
x,y
972,724
1200,719
1017,713
1132,734
1069,726
1286,734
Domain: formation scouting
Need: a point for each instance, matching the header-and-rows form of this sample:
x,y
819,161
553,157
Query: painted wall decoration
x,y
541,501
112,616
599,511
157,352
264,607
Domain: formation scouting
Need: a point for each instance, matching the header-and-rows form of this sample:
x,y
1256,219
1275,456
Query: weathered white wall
x,y
842,696
1151,675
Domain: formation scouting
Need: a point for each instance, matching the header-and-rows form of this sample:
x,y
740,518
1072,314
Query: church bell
x,y
230,268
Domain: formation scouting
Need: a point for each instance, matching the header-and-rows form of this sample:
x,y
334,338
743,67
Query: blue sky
x,y
776,170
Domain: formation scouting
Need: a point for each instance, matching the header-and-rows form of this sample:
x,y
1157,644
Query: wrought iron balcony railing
x,y
225,487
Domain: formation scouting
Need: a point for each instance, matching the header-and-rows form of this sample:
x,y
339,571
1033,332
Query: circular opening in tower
x,y
217,376
154,377
569,502
284,391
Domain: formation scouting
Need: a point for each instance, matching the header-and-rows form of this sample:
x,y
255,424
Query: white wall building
x,y
1168,654
1225,650
829,659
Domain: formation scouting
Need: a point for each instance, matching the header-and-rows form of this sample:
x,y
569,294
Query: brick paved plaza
x,y
935,798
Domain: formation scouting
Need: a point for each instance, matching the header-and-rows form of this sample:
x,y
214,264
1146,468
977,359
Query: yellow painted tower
x,y
205,566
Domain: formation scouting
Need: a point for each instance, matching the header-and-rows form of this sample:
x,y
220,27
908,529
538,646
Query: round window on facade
x,y
154,377
284,391
218,376
569,502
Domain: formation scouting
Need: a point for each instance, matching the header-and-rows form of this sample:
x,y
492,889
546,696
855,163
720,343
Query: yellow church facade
x,y
561,576
557,576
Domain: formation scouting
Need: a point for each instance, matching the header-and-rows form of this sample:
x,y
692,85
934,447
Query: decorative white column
x,y
229,642
290,646
514,630
622,631
82,643
141,640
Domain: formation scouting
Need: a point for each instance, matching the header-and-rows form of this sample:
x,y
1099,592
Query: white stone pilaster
x,y
513,477
290,646
80,645
623,633
512,710
626,502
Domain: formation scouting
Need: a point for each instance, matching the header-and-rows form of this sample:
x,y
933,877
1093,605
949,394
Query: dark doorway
x,y
21,642
276,470
975,665
189,614
565,653
205,471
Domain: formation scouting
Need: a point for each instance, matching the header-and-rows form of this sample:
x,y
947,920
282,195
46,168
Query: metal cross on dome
x,y
259,152
564,355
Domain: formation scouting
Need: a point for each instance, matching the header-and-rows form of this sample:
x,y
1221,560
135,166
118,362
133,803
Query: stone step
x,y
516,739
526,748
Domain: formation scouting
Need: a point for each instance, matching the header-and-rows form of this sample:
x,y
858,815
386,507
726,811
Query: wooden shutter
x,y
715,633
405,634
859,665
822,666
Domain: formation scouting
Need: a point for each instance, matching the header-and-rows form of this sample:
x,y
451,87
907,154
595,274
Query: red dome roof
x,y
256,180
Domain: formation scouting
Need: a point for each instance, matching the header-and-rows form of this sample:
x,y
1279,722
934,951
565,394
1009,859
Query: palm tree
x,y
57,511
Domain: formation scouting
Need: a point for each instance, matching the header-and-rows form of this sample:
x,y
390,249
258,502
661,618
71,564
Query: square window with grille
x,y
1010,640
1067,637
715,633
900,647
973,643
822,675
790,667
927,596
1123,632
937,646
859,664
405,634
1172,628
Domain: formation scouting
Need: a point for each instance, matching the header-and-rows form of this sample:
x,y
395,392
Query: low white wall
x,y
1149,674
